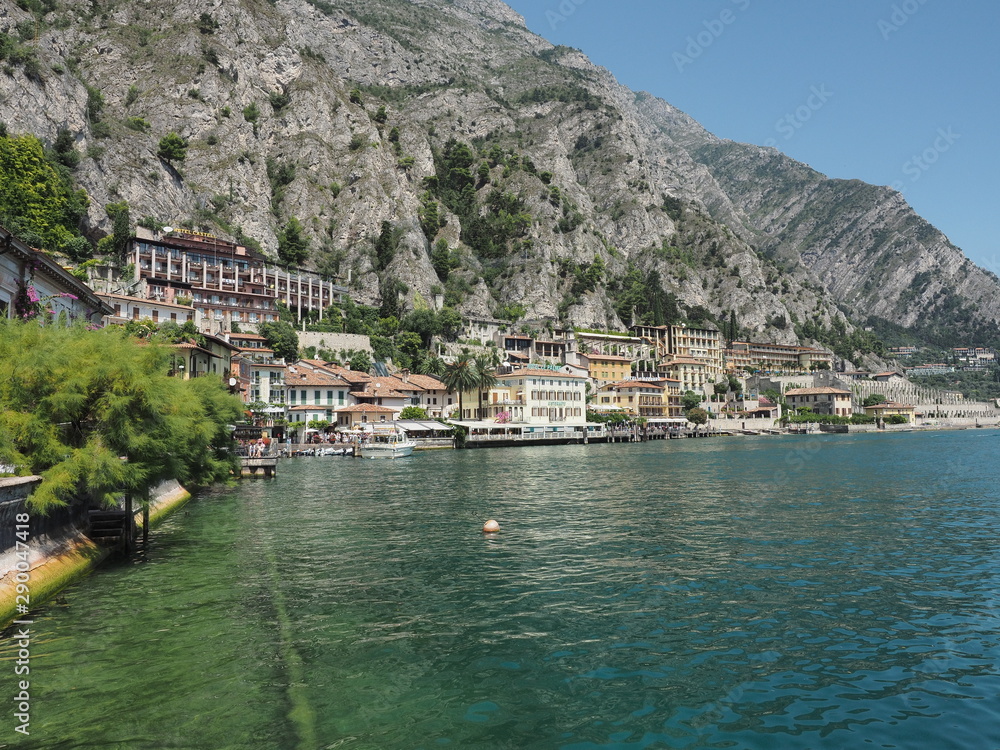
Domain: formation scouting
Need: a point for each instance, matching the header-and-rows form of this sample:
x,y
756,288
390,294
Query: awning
x,y
412,425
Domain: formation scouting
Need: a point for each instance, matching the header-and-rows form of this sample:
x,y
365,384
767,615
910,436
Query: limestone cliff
x,y
517,178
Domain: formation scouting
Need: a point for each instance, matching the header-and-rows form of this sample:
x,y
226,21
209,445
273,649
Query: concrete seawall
x,y
47,562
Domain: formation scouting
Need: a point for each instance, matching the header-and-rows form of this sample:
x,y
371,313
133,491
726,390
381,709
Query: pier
x,y
263,465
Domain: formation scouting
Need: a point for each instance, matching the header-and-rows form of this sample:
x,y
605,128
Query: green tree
x,y
410,344
121,230
172,148
425,323
293,245
386,244
282,338
361,362
75,403
874,400
449,323
64,147
207,24
413,412
690,400
37,198
459,377
697,416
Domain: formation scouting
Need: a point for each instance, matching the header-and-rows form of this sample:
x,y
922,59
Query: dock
x,y
264,465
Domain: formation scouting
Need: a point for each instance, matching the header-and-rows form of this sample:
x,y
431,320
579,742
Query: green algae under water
x,y
792,592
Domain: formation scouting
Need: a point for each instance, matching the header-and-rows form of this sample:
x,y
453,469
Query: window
x,y
317,397
329,397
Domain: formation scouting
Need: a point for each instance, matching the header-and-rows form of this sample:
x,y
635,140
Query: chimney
x,y
405,376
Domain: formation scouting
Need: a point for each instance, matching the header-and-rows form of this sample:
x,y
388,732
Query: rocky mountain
x,y
435,147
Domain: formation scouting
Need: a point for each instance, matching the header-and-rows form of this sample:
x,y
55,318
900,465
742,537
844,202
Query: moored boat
x,y
386,442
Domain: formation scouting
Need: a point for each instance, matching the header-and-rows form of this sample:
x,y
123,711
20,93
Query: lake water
x,y
783,592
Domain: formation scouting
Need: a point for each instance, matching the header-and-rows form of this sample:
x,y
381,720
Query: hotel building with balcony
x,y
227,283
534,396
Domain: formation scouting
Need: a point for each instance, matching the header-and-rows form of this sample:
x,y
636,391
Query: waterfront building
x,y
59,295
823,400
356,416
635,398
604,369
748,356
227,282
902,351
313,394
891,408
427,392
534,396
692,374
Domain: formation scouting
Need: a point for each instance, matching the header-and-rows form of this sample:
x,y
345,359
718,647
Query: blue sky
x,y
892,92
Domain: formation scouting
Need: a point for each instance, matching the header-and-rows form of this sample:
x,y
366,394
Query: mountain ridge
x,y
634,209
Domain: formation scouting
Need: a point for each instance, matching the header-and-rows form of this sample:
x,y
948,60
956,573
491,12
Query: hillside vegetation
x,y
440,150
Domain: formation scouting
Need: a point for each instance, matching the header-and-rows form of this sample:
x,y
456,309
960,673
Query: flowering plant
x,y
28,304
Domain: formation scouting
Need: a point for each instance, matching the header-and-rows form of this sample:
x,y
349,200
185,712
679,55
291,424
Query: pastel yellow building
x,y
604,369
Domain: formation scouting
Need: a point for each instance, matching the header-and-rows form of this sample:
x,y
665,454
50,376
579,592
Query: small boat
x,y
386,442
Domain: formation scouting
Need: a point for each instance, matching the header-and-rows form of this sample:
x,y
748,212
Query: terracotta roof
x,y
306,377
246,337
427,382
825,391
351,376
635,384
365,408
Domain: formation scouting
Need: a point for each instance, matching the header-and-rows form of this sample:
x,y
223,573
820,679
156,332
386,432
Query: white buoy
x,y
491,527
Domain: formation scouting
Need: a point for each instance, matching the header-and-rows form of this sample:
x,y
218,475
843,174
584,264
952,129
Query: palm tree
x,y
485,377
460,376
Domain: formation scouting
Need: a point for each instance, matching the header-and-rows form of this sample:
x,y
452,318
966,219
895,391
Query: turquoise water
x,y
784,592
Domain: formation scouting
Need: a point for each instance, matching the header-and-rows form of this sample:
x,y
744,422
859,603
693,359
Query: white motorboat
x,y
385,442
